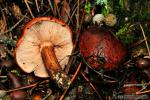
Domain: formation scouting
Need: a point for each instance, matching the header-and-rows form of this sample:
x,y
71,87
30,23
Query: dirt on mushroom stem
x,y
53,67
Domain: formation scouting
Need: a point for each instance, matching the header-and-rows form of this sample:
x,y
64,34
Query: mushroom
x,y
144,64
110,20
101,48
98,19
45,48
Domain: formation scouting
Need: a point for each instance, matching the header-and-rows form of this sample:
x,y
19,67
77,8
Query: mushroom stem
x,y
53,67
49,59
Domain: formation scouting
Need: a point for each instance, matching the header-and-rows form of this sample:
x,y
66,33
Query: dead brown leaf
x,y
16,11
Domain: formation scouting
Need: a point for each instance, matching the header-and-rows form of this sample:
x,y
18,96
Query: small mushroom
x,y
98,19
110,20
144,64
45,48
101,48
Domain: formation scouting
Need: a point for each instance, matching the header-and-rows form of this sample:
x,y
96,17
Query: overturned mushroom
x,y
45,46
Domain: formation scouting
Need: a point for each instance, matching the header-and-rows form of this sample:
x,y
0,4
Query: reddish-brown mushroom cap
x,y
101,48
38,33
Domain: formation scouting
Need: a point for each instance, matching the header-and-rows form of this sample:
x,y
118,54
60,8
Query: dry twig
x,y
77,16
145,39
28,7
37,6
28,86
75,45
50,4
72,79
143,92
14,26
100,98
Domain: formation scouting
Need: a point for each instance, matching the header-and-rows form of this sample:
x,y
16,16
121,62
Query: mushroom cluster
x,y
45,48
109,20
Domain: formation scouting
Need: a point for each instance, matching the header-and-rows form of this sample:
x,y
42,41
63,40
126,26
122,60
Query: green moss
x,y
87,8
8,41
124,34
